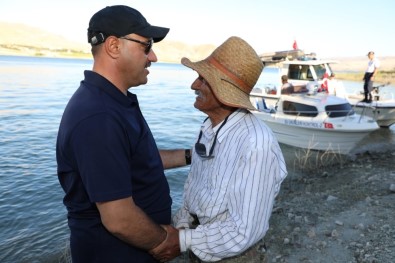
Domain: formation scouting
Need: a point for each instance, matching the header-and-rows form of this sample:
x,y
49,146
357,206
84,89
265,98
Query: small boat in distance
x,y
306,69
382,107
315,121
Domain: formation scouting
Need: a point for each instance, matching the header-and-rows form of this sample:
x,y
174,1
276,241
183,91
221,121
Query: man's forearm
x,y
142,233
175,158
128,222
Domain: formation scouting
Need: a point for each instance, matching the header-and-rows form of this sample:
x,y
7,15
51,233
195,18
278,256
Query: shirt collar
x,y
233,120
98,81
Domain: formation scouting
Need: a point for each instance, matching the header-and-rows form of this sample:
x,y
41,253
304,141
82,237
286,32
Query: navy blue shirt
x,y
105,151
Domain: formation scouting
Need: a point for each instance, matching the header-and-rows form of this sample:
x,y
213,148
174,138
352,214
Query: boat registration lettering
x,y
304,123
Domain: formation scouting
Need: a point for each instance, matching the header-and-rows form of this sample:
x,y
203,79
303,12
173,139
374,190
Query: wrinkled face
x,y
205,100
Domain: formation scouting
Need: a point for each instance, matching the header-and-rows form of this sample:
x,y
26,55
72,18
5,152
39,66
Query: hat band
x,y
236,79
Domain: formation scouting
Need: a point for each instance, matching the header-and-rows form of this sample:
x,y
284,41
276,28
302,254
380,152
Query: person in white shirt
x,y
237,164
368,78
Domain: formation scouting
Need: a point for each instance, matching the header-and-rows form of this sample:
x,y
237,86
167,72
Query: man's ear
x,y
112,46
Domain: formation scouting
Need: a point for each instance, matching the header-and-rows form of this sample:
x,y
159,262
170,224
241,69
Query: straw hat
x,y
231,70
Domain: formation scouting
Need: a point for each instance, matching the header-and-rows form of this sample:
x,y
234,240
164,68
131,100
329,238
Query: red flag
x,y
295,45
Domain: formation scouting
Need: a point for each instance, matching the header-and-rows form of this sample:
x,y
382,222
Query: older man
x,y
237,165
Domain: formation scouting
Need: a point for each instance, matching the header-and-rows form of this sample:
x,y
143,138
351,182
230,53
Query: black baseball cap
x,y
120,20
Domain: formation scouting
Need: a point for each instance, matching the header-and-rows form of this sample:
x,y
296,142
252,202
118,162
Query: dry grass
x,y
382,76
314,162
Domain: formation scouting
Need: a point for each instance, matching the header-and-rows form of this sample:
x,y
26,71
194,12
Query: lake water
x,y
33,94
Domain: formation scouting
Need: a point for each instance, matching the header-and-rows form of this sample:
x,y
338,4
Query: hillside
x,y
19,39
360,63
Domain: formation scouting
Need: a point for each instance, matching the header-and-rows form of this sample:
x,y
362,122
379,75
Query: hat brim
x,y
222,86
155,32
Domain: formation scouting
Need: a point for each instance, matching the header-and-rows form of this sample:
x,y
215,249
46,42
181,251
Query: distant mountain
x,y
360,63
173,51
20,39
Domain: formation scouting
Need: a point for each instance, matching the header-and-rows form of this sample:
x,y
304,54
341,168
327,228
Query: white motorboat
x,y
315,121
306,70
382,107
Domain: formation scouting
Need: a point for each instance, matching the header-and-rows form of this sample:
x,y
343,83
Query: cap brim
x,y
155,32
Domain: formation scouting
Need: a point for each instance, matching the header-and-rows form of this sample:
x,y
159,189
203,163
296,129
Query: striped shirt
x,y
233,193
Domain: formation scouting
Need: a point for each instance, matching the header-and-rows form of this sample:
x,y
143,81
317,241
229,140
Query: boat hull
x,y
314,135
381,111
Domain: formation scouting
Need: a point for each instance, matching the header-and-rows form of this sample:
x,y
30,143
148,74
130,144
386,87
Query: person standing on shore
x,y
237,164
116,194
368,78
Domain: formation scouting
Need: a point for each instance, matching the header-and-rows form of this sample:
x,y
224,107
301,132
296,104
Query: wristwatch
x,y
188,157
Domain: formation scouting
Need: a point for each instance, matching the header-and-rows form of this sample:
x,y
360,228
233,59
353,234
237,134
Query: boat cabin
x,y
312,107
300,68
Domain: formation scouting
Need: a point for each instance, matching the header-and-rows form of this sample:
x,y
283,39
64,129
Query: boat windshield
x,y
299,109
300,72
339,110
321,69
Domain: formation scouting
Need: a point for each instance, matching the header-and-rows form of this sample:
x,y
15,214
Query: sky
x,y
336,28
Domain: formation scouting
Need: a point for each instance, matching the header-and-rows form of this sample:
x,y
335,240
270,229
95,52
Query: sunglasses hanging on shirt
x,y
200,148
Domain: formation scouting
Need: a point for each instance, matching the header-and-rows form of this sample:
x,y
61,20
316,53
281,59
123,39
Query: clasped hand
x,y
169,248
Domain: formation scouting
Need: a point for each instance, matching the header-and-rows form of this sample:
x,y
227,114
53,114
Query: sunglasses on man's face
x,y
148,44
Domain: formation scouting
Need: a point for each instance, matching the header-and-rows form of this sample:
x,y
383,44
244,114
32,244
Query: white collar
x,y
233,119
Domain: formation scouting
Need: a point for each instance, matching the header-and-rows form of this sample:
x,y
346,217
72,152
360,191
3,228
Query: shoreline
x,y
342,212
339,213
342,73
343,64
